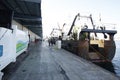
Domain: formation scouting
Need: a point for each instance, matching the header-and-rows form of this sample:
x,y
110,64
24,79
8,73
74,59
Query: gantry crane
x,y
78,16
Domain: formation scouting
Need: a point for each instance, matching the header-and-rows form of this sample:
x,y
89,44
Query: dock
x,y
45,62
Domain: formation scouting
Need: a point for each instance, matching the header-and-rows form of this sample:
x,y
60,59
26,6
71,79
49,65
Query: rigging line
x,y
97,52
3,35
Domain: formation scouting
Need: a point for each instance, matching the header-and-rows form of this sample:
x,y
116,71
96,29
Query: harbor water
x,y
116,60
113,66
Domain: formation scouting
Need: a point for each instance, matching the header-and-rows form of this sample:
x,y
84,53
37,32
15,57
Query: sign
x,y
1,50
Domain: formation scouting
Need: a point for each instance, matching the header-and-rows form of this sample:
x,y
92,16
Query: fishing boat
x,y
94,44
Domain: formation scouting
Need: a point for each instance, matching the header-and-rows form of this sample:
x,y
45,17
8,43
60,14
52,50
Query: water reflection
x,y
106,65
116,59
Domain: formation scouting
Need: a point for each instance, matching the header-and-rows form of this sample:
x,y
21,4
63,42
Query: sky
x,y
58,12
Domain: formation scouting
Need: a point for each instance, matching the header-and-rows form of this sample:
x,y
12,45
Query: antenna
x,y
99,17
58,25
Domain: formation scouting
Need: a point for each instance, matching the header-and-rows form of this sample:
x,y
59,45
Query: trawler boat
x,y
89,46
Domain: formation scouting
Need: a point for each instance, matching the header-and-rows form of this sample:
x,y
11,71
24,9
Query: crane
x,y
59,29
78,15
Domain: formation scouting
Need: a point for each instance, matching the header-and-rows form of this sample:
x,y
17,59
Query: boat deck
x,y
49,63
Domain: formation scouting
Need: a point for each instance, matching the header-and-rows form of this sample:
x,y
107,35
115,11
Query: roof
x,y
26,12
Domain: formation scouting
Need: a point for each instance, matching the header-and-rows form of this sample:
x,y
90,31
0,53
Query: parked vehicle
x,y
13,42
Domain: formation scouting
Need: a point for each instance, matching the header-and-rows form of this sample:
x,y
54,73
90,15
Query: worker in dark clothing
x,y
49,42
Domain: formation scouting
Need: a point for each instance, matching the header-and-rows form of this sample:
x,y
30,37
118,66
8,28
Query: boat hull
x,y
97,50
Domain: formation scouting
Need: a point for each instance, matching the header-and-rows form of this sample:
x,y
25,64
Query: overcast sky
x,y
62,11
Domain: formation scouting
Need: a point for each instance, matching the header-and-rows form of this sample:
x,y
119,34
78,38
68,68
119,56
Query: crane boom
x,y
78,15
73,23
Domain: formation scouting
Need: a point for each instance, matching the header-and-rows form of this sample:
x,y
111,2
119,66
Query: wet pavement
x,y
49,63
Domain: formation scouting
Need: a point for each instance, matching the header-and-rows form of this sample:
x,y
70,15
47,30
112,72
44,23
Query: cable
x,y
97,52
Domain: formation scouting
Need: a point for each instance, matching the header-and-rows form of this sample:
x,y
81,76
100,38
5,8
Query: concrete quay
x,y
49,63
